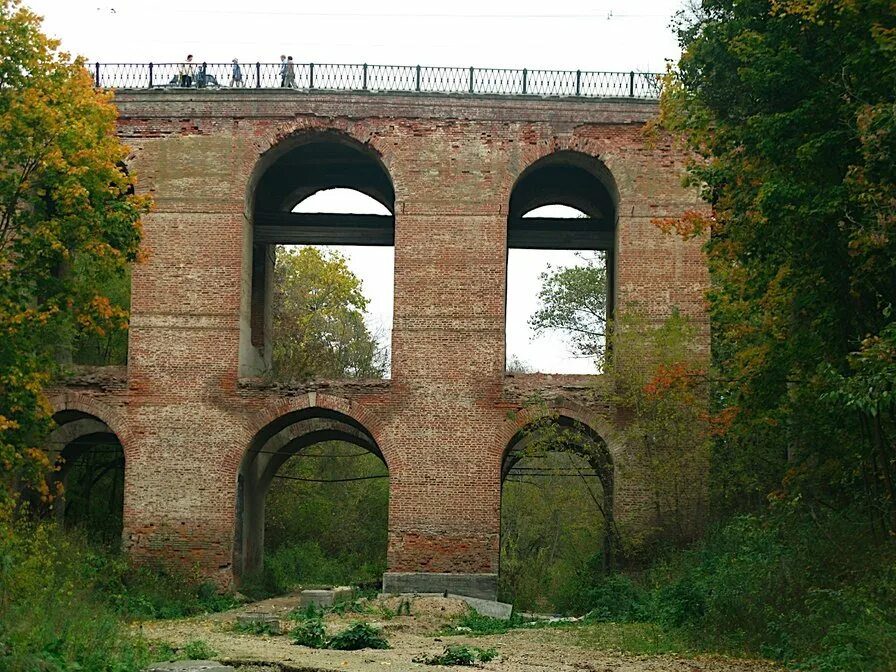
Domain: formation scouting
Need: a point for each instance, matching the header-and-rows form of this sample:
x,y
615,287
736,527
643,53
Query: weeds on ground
x,y
198,650
256,627
311,633
359,635
459,654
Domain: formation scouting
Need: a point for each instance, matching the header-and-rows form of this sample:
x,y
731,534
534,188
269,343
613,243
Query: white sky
x,y
609,35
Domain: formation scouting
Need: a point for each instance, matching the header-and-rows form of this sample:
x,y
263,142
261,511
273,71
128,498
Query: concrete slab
x,y
190,666
326,598
489,608
483,586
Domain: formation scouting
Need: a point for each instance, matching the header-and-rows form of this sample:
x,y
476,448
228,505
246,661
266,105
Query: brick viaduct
x,y
202,433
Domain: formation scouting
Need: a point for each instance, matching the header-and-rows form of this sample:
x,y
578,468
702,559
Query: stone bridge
x,y
203,432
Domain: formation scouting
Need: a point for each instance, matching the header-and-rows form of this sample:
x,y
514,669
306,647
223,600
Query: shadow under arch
x,y
272,445
558,431
90,466
295,168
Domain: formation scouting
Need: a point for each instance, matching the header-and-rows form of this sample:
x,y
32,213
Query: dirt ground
x,y
522,650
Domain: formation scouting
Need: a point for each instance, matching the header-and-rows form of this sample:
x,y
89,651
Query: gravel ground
x,y
541,650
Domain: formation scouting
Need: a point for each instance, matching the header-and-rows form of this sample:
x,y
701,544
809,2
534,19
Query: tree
x,y
573,299
68,220
319,325
788,108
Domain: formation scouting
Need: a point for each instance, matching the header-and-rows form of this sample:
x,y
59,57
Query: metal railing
x,y
387,78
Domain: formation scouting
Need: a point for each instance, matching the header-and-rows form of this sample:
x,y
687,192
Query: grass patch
x,y
473,623
636,638
198,650
459,654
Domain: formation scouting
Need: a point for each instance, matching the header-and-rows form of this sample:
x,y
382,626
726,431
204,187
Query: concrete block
x,y
326,598
482,586
190,666
489,608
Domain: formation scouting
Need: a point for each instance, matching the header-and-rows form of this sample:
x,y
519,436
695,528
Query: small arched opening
x,y
90,466
323,204
556,512
312,503
561,241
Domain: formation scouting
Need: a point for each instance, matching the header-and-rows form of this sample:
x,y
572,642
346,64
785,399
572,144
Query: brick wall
x,y
441,422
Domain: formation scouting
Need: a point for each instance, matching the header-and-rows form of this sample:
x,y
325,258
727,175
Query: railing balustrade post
x,y
631,84
96,69
150,75
418,77
364,82
311,75
524,79
471,79
578,82
257,75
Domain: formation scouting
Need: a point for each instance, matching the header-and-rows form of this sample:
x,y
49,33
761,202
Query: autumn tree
x,y
68,220
318,311
788,107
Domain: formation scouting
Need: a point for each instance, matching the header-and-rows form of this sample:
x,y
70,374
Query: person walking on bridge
x,y
236,75
187,71
290,81
282,70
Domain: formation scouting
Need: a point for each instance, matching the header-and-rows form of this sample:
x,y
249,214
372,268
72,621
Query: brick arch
x,y
305,130
74,400
354,410
526,416
532,153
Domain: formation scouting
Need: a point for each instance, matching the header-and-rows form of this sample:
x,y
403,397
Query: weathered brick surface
x,y
185,419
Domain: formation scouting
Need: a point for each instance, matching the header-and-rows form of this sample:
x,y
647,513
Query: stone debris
x,y
190,666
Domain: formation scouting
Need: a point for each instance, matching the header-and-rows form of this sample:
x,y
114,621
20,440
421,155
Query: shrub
x,y
358,636
311,633
459,654
52,615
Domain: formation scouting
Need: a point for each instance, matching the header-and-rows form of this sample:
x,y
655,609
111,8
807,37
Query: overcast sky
x,y
565,34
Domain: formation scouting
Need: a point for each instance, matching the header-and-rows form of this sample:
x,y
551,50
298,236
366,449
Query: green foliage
x,y
472,622
788,106
149,592
459,654
53,611
358,636
199,650
793,586
69,221
330,533
255,627
310,632
545,542
318,313
573,300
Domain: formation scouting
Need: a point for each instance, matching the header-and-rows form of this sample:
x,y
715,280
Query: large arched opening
x,y
561,242
316,480
326,192
557,519
90,464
